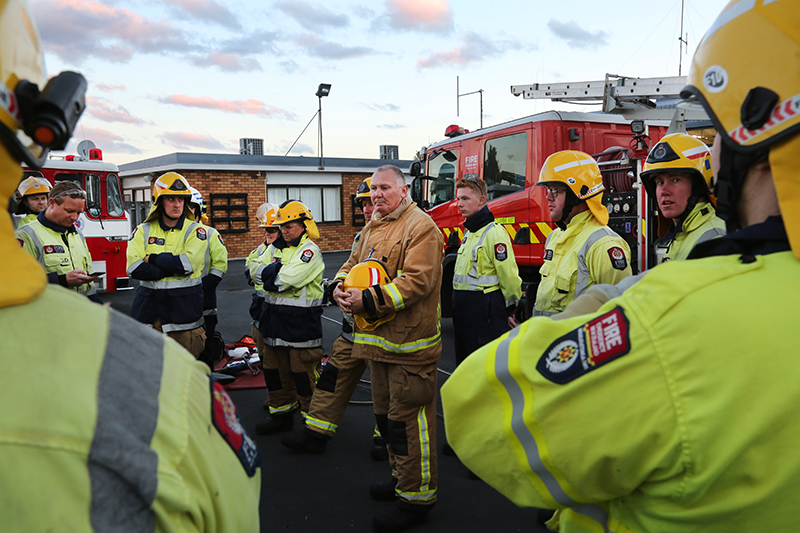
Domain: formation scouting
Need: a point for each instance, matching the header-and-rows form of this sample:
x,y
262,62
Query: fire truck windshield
x,y
442,172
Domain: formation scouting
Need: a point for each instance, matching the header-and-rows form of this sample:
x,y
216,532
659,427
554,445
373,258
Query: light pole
x,y
324,89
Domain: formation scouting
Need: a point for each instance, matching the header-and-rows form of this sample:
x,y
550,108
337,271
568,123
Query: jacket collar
x,y
479,219
178,226
759,239
47,223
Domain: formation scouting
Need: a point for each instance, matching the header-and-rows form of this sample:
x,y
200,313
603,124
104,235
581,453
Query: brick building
x,y
234,186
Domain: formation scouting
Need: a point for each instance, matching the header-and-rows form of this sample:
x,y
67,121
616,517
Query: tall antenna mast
x,y
682,41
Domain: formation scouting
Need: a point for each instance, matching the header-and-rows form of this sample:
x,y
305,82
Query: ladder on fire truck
x,y
637,100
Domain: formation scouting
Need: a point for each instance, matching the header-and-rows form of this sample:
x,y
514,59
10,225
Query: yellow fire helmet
x,y
363,276
266,214
294,210
682,153
171,184
752,95
33,185
580,173
363,189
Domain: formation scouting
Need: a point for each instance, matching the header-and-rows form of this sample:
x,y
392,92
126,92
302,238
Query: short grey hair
x,y
401,178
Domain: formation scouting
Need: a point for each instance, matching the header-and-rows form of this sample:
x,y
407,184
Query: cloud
x,y
100,109
258,42
107,141
391,126
330,50
76,30
204,11
299,149
576,36
381,107
312,17
289,66
249,107
183,140
226,62
429,16
474,49
108,88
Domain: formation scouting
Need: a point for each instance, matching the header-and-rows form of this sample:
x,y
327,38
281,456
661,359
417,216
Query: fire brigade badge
x,y
500,252
223,414
617,257
307,255
54,249
548,255
592,345
157,241
201,234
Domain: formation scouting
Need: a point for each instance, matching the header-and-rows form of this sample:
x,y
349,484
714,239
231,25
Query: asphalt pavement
x,y
330,491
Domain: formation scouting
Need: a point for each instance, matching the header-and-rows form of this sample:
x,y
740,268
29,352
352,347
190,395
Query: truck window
x,y
442,171
114,198
504,164
93,206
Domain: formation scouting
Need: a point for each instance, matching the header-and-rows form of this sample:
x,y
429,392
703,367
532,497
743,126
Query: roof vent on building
x,y
251,146
390,151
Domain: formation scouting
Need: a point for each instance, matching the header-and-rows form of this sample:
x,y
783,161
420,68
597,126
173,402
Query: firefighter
x,y
583,251
486,282
167,253
398,331
678,173
32,194
291,317
117,429
217,265
339,378
259,259
60,247
672,407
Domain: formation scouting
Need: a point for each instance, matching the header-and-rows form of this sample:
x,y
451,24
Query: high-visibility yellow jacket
x,y
486,263
170,288
700,225
125,431
672,408
584,254
21,220
411,247
216,264
258,259
292,311
59,250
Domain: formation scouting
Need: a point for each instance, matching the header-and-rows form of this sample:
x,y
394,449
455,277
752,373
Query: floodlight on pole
x,y
323,90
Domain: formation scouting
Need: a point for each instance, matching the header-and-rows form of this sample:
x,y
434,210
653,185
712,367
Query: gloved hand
x,y
268,276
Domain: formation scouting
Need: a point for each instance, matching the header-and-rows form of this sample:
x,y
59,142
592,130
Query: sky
x,y
197,75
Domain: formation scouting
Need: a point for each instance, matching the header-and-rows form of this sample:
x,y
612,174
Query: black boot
x,y
401,517
275,424
383,492
379,451
306,442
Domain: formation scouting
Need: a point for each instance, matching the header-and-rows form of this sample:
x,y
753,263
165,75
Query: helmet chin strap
x,y
730,179
570,201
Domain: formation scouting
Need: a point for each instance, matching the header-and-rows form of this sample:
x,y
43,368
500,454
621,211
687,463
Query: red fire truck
x,y
509,157
105,223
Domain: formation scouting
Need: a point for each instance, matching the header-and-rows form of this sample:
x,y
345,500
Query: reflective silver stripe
x,y
216,272
713,233
582,282
594,512
134,266
171,284
169,328
295,302
523,434
536,312
210,312
36,242
122,467
509,303
315,343
473,282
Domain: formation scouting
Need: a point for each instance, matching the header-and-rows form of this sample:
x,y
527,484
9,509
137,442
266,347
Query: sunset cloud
x,y
330,50
101,109
249,107
205,11
107,141
184,141
108,88
314,17
226,62
430,16
475,49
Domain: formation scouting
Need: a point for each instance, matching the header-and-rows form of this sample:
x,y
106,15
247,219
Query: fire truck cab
x,y
104,223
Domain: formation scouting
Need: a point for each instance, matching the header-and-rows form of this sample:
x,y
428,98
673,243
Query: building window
x,y
228,212
325,203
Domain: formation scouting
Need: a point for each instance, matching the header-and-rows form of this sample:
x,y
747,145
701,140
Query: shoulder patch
x,y
307,256
223,414
220,239
201,234
592,345
617,256
21,244
500,251
548,255
133,233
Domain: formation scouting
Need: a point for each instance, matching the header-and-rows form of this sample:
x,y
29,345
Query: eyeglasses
x,y
290,225
271,230
72,193
553,192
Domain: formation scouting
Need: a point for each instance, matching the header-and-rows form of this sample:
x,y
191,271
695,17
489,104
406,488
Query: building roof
x,y
274,163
